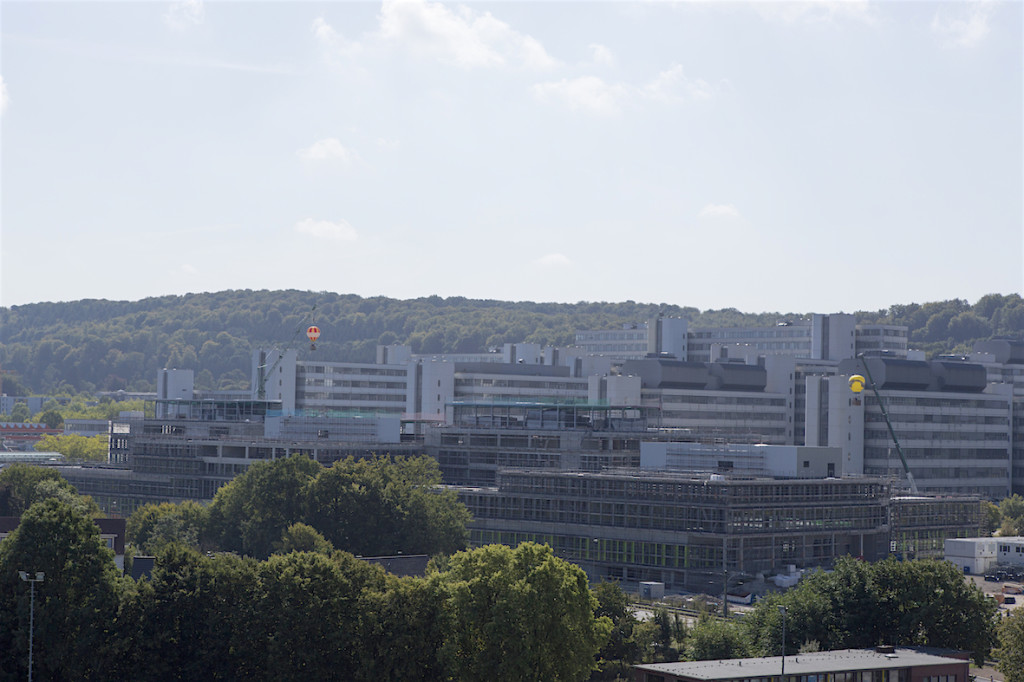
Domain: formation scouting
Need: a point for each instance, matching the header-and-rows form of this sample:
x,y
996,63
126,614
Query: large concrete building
x,y
954,428
822,337
960,421
481,438
690,531
199,445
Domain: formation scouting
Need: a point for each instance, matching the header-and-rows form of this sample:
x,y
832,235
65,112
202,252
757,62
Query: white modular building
x,y
974,556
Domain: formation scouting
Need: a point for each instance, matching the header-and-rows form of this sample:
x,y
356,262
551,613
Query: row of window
x,y
668,397
366,371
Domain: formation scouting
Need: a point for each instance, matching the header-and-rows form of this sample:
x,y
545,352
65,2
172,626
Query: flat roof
x,y
843,660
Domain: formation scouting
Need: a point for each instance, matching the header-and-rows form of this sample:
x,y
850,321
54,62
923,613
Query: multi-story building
x,y
1003,360
742,459
483,437
690,531
627,343
727,401
199,445
954,428
820,337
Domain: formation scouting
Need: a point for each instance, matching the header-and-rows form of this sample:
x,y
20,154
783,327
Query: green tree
x,y
191,620
713,638
1012,506
664,651
520,614
1012,510
18,486
991,518
928,603
307,614
76,447
387,505
250,513
1010,652
923,602
403,628
152,526
299,537
20,412
60,490
75,605
613,603
52,419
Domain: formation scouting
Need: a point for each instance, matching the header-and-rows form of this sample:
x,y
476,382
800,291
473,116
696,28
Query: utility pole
x,y
31,612
782,610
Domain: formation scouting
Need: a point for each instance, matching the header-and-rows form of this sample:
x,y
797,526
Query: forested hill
x,y
93,345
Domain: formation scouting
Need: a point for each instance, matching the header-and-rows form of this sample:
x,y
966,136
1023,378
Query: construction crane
x,y
263,372
857,385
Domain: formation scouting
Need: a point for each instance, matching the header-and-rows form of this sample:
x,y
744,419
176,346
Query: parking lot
x,y
998,587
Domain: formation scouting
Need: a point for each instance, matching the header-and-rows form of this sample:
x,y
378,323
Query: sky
x,y
795,157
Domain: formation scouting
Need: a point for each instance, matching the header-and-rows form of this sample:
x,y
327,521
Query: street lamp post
x,y
31,612
782,610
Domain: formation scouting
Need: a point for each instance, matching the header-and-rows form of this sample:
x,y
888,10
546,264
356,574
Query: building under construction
x,y
197,446
693,531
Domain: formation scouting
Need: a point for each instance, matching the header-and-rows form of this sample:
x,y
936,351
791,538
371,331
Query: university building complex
x,y
659,452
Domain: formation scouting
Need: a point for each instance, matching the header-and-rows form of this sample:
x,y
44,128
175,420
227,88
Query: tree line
x,y
265,583
244,589
490,613
99,345
369,507
856,605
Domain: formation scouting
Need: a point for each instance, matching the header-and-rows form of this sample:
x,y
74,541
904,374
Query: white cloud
x,y
599,54
340,231
719,211
328,149
188,270
389,143
674,84
322,30
4,99
588,93
966,28
553,260
325,34
458,35
592,94
181,15
817,11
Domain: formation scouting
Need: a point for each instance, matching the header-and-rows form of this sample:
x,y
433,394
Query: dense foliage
x,y
1010,653
859,604
1007,517
92,345
294,616
22,485
505,625
75,447
373,507
312,611
76,603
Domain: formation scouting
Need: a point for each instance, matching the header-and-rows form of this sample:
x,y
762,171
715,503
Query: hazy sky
x,y
816,156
